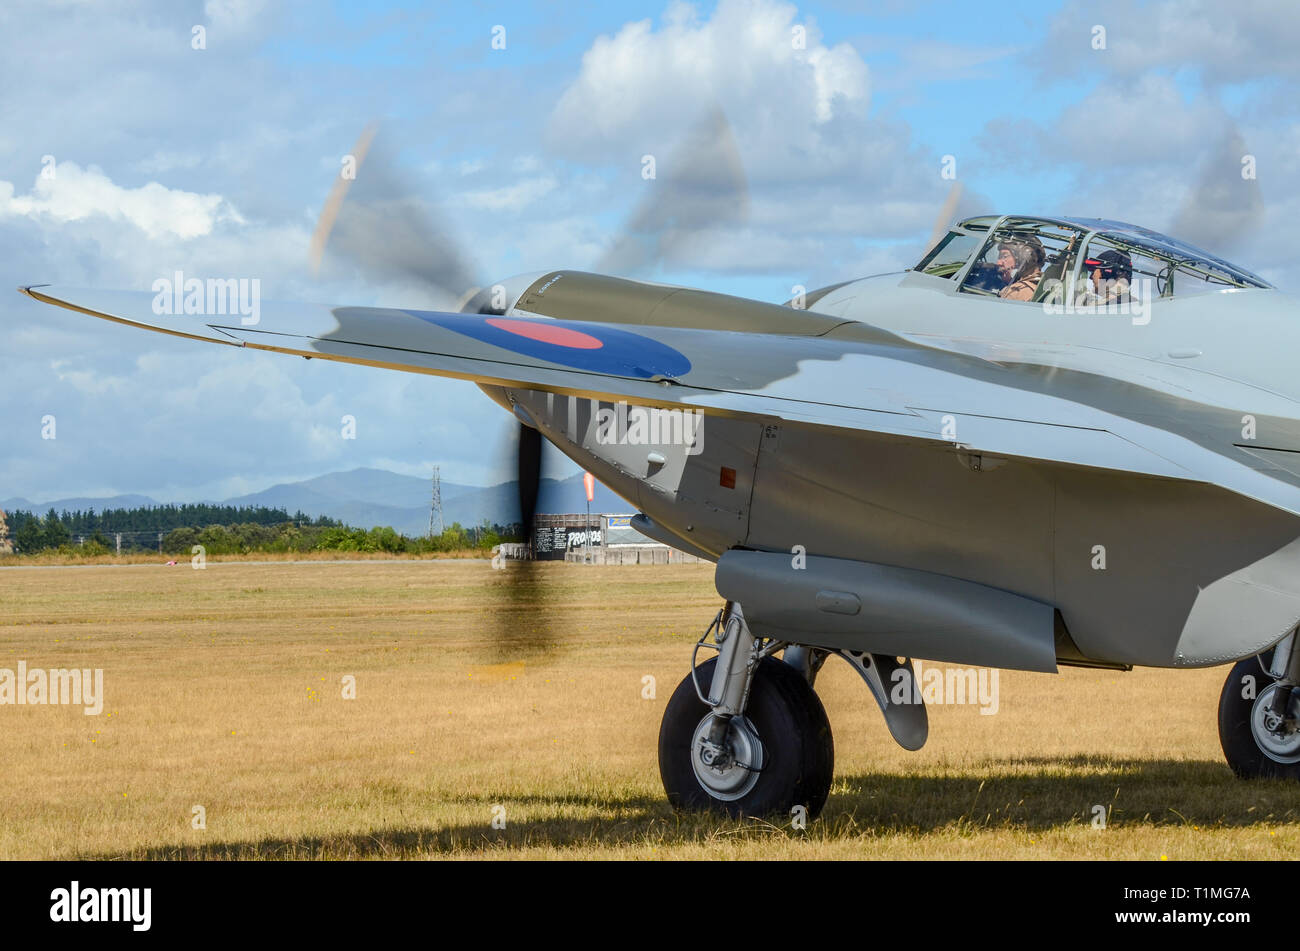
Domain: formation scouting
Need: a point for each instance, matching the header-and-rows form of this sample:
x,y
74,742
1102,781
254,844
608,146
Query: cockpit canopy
x,y
1076,261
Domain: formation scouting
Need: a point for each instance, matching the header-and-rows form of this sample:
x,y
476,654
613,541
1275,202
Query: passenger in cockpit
x,y
1110,274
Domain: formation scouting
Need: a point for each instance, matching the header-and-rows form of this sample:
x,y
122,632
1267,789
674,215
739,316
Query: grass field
x,y
475,699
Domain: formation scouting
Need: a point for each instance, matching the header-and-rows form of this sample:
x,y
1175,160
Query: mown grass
x,y
483,694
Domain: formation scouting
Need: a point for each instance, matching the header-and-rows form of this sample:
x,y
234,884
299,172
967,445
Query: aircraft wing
x,y
863,379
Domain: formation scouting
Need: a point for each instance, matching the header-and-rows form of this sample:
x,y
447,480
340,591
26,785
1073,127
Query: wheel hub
x,y
729,769
1278,737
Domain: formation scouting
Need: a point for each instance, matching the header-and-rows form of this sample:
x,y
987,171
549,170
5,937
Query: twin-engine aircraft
x,y
1054,441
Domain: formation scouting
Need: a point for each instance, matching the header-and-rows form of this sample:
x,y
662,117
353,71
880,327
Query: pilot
x,y
1110,276
1020,264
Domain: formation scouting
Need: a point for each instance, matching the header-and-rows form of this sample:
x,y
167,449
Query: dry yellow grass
x,y
224,691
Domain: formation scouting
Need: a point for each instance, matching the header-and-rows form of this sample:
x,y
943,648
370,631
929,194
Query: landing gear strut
x,y
1259,714
757,742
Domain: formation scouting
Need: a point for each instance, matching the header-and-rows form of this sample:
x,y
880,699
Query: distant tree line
x,y
163,518
230,530
288,537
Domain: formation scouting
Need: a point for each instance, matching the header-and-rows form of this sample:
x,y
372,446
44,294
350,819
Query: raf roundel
x,y
597,348
546,332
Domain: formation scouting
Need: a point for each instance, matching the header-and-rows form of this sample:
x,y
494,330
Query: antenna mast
x,y
435,504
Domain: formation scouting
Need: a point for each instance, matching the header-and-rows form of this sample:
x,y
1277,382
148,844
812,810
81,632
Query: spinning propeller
x,y
1224,204
380,227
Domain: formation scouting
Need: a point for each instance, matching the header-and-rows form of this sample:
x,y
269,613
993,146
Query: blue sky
x,y
217,162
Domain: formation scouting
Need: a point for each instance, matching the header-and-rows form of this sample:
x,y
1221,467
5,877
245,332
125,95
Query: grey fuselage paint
x,y
1144,571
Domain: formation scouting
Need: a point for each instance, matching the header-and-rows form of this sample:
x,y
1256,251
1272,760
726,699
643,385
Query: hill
x,y
368,497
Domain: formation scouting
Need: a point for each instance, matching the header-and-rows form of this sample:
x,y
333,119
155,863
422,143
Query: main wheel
x,y
1255,743
777,756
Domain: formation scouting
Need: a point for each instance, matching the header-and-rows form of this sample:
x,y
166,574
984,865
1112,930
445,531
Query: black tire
x,y
792,726
1235,735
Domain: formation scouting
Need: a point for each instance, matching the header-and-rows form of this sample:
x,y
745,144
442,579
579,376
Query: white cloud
x,y
1148,115
816,166
511,198
73,194
232,14
1226,42
637,85
88,382
165,161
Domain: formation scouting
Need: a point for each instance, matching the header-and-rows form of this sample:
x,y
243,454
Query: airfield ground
x,y
223,690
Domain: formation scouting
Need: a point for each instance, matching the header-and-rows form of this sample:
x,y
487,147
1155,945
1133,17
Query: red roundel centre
x,y
547,332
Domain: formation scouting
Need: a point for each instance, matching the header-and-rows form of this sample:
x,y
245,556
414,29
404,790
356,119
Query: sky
x,y
142,138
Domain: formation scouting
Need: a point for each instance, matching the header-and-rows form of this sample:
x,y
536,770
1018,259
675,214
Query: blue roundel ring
x,y
598,348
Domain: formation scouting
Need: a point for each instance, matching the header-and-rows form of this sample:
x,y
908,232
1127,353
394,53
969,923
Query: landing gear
x,y
777,756
756,743
1259,715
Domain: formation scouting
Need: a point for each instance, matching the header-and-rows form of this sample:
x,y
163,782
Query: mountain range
x,y
367,497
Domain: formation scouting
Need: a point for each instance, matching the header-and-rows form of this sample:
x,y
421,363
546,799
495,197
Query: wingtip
x,y
27,288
